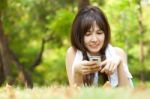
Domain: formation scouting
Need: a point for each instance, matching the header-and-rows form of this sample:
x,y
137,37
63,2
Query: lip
x,y
94,46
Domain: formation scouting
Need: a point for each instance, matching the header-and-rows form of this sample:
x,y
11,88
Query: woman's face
x,y
94,39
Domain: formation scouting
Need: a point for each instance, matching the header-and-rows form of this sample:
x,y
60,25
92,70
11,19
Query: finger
x,y
110,69
93,67
105,69
89,63
103,63
102,70
85,72
84,67
114,68
94,70
90,71
90,67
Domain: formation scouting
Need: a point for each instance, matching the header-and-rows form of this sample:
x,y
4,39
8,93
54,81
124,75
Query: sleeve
x,y
78,58
128,74
127,71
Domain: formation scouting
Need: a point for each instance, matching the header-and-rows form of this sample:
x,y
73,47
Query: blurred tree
x,y
141,42
8,58
35,32
124,17
29,20
82,3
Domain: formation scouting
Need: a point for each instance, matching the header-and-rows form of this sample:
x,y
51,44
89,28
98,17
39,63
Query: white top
x,y
110,53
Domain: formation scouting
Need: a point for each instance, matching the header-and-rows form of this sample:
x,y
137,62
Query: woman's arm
x,y
75,78
76,71
123,79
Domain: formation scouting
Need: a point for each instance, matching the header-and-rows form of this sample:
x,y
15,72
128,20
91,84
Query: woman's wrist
x,y
77,69
77,76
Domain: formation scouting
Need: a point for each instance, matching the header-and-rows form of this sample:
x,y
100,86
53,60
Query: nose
x,y
94,38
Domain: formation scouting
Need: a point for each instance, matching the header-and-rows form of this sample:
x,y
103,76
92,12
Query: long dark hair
x,y
81,24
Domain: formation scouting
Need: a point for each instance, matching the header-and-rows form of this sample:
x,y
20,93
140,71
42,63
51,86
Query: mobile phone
x,y
95,58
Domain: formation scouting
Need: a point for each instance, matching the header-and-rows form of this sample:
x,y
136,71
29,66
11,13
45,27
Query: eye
x,y
87,33
100,32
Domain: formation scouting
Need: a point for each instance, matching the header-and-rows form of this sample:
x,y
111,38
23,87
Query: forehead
x,y
90,22
95,26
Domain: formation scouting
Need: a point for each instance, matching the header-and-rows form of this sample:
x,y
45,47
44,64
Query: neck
x,y
93,54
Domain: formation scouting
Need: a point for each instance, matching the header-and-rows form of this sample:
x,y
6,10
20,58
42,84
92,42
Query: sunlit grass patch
x,y
65,92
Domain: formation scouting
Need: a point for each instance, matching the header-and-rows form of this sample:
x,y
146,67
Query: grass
x,y
64,92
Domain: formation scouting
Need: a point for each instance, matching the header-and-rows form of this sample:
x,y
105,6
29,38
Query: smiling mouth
x,y
93,46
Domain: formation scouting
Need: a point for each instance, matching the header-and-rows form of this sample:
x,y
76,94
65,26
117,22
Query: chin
x,y
94,51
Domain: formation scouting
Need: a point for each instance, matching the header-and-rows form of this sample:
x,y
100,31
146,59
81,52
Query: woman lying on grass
x,y
92,60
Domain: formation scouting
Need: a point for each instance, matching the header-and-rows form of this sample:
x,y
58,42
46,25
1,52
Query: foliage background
x,y
27,22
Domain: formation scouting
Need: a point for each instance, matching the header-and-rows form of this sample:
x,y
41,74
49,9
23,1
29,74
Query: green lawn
x,y
61,92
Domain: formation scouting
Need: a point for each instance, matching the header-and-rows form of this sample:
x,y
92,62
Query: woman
x,y
90,36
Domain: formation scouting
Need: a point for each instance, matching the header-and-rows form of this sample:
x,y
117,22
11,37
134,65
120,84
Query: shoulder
x,y
70,55
120,52
71,51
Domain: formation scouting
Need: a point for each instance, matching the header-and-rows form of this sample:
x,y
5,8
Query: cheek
x,y
86,40
102,38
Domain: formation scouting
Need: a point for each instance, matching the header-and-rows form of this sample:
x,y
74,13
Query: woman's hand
x,y
110,65
86,67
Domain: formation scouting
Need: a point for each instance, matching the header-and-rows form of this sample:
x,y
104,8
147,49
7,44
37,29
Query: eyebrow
x,y
99,30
